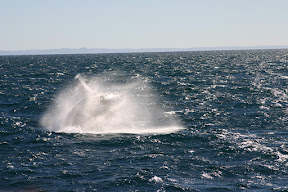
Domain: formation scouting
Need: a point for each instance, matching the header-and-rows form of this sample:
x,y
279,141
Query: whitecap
x,y
156,179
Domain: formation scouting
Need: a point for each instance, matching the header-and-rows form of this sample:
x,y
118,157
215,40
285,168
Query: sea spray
x,y
108,104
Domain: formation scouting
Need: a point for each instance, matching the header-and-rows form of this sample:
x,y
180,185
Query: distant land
x,y
92,51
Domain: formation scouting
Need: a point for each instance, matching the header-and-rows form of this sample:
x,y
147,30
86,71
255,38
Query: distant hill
x,y
91,51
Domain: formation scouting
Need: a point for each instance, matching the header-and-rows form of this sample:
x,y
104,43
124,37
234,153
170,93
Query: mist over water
x,y
108,104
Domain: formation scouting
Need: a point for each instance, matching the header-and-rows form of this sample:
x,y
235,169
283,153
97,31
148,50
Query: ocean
x,y
175,121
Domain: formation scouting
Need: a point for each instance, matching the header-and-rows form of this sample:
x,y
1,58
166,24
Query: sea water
x,y
180,121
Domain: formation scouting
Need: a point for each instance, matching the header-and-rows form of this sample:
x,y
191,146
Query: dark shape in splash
x,y
98,106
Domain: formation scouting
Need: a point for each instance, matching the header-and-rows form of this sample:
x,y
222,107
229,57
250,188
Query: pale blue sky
x,y
53,24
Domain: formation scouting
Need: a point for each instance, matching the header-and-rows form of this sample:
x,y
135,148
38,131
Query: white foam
x,y
156,179
206,175
100,107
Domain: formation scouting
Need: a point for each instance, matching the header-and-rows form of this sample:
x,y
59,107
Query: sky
x,y
120,24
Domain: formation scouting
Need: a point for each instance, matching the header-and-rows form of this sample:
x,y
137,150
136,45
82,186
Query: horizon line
x,y
85,50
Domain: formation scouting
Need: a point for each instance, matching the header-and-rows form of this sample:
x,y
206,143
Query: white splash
x,y
99,106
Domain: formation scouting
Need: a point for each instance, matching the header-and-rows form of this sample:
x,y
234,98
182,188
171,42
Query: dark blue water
x,y
232,105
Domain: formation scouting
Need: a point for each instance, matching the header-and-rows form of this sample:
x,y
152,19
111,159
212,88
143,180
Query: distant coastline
x,y
98,50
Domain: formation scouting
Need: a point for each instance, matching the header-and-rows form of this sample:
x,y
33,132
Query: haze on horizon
x,y
33,24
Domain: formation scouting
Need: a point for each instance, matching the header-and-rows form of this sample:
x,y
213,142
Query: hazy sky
x,y
39,24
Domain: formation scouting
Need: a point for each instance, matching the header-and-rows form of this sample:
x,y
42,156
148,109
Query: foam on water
x,y
101,105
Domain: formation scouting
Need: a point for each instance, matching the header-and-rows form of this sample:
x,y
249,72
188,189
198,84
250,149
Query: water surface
x,y
232,105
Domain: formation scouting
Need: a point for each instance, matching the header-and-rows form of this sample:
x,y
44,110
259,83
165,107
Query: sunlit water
x,y
187,121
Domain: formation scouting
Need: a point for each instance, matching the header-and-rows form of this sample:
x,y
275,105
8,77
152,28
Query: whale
x,y
92,105
103,105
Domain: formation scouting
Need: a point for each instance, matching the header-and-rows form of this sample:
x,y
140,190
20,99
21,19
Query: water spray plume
x,y
99,105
